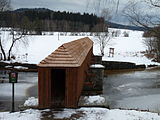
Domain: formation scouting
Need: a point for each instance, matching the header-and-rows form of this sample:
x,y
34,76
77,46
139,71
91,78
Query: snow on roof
x,y
71,54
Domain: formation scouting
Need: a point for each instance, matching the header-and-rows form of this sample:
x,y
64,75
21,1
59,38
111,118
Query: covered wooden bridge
x,y
61,75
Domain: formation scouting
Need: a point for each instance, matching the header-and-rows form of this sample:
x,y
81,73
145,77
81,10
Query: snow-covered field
x,y
127,49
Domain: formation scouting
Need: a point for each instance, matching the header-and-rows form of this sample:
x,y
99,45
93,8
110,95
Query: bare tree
x,y
103,39
15,37
99,5
149,19
18,36
106,14
4,5
149,43
154,3
138,14
2,50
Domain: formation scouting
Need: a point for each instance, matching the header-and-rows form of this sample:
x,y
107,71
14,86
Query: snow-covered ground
x,y
127,49
31,101
29,114
78,114
81,114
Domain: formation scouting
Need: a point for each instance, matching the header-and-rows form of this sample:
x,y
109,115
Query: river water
x,y
134,90
26,87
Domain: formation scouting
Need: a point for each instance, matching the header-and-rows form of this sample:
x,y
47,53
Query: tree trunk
x,y
9,52
10,49
3,52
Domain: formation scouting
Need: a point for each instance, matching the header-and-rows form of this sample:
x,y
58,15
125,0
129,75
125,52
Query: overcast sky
x,y
89,6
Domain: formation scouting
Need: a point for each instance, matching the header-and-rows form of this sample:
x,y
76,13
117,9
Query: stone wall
x,y
114,65
97,59
94,82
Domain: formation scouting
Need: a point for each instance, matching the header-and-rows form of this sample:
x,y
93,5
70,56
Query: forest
x,y
41,19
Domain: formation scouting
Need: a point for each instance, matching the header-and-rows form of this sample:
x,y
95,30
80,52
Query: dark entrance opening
x,y
58,87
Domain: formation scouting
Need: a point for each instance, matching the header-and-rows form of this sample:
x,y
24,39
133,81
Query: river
x,y
134,90
26,87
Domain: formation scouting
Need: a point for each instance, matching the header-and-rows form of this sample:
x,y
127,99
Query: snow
x,y
41,46
138,60
20,67
127,49
106,114
94,99
131,115
67,113
82,114
29,114
31,101
88,100
96,66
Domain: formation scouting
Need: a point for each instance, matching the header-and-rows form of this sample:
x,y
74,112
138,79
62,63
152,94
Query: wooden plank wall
x,y
44,87
82,73
75,78
71,90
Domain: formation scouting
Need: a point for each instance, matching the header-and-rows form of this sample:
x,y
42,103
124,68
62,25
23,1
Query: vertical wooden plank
x,y
66,88
49,87
40,87
67,99
74,85
39,91
46,87
44,91
71,78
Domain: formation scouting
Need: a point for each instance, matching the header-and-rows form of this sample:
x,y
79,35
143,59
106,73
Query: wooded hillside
x,y
41,19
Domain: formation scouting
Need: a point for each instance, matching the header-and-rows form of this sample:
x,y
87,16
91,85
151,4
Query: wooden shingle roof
x,y
71,54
